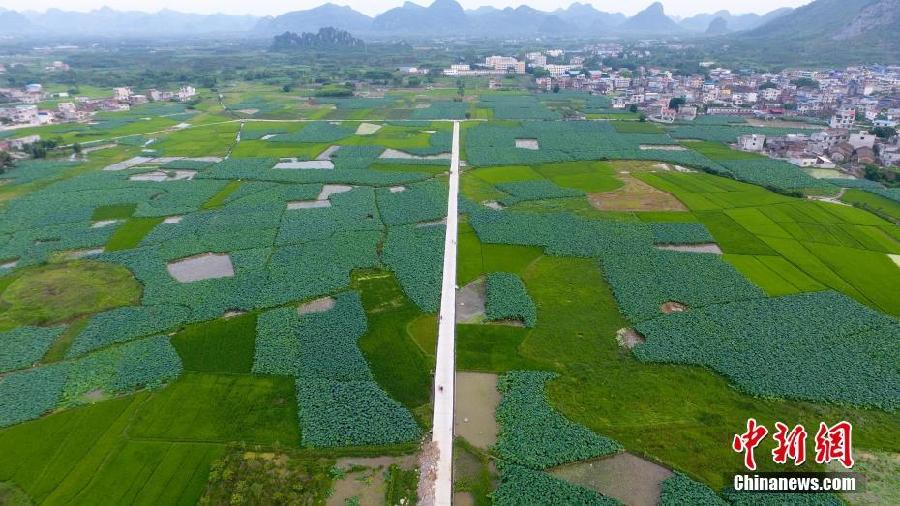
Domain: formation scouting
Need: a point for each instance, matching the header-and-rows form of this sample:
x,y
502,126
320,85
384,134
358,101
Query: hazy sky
x,y
262,7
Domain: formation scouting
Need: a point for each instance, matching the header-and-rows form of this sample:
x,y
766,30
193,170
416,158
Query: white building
x,y
751,142
122,94
843,118
505,64
186,93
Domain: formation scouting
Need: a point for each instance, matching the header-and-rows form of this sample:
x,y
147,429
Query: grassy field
x,y
56,293
398,363
820,244
129,234
224,345
876,203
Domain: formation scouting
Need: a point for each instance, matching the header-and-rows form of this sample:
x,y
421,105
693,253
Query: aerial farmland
x,y
248,301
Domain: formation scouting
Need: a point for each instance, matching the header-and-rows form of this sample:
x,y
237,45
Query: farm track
x,y
445,374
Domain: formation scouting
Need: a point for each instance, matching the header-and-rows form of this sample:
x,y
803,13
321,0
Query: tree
x,y
6,161
642,118
806,82
767,85
556,88
76,149
287,88
676,103
884,132
632,108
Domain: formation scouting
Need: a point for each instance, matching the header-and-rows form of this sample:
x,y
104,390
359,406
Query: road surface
x,y
445,366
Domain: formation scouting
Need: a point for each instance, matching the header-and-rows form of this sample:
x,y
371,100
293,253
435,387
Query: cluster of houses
x,y
827,148
23,104
553,62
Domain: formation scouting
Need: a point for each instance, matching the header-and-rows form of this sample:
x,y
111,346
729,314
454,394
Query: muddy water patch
x,y
626,477
470,302
476,404
201,267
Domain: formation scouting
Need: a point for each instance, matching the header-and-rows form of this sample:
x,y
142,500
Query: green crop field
x,y
237,300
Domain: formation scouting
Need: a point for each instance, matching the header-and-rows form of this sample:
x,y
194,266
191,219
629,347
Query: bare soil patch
x,y
171,220
629,338
201,267
531,144
316,306
94,396
636,195
710,247
493,204
895,258
305,165
104,223
476,402
397,189
672,307
367,128
470,302
326,155
403,155
428,459
160,176
432,223
463,499
333,189
308,204
127,164
82,253
662,147
626,477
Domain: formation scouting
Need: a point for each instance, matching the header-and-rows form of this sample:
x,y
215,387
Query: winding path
x,y
444,373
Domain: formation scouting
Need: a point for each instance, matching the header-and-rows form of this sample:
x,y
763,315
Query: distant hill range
x,y
830,30
858,27
442,18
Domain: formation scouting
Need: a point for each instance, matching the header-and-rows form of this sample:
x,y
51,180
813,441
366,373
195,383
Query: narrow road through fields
x,y
445,367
